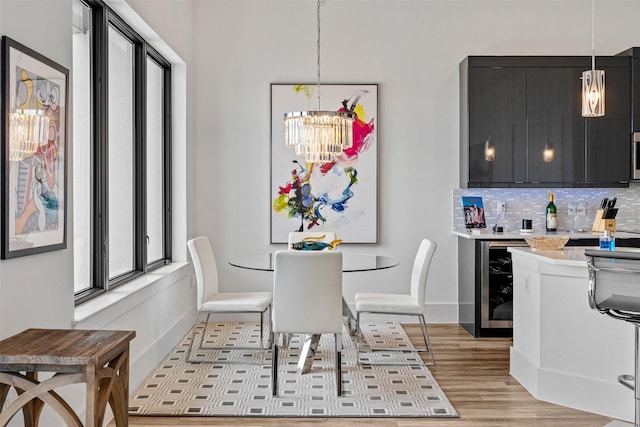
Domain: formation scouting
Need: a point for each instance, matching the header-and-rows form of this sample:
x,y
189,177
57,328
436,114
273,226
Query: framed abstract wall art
x,y
34,148
340,196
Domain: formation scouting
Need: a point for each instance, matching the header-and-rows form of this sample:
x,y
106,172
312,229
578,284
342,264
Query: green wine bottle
x,y
552,215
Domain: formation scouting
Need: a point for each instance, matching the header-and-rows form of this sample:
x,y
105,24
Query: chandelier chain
x,y
593,34
318,52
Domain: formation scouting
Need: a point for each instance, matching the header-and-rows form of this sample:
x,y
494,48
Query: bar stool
x,y
614,290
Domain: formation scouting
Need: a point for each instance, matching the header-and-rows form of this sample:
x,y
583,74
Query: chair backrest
x,y
310,237
613,283
205,265
307,292
420,270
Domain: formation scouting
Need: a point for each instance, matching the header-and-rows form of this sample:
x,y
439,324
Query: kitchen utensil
x,y
610,213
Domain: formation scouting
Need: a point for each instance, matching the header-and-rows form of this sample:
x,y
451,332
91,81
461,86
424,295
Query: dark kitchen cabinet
x,y
608,146
554,123
497,117
524,107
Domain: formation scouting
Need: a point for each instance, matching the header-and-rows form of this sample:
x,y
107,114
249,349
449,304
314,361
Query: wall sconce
x,y
28,130
489,151
548,153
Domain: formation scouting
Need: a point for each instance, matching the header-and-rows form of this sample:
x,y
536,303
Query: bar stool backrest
x,y
614,283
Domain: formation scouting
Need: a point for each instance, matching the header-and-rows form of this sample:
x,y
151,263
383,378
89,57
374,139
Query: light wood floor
x,y
474,373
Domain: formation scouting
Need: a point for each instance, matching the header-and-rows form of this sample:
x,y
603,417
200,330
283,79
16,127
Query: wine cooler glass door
x,y
497,284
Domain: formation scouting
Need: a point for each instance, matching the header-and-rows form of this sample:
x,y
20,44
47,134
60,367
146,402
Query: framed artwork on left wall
x,y
34,151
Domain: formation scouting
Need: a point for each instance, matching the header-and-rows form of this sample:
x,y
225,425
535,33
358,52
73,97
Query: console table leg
x,y
33,394
113,389
92,396
32,410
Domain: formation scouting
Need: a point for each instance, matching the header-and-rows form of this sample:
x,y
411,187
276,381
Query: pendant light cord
x,y
593,35
318,53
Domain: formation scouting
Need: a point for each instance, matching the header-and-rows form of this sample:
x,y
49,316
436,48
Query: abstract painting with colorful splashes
x,y
340,196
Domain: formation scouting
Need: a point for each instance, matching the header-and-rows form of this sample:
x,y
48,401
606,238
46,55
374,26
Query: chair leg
x,y
358,338
193,337
274,366
636,375
269,329
204,331
425,335
262,337
338,340
427,341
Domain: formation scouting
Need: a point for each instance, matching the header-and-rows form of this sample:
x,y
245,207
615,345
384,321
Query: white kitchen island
x,y
563,351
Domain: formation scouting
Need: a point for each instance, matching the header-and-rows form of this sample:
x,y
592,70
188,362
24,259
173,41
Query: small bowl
x,y
546,243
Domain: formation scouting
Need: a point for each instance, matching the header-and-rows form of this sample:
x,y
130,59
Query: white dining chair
x,y
298,237
401,304
307,299
211,301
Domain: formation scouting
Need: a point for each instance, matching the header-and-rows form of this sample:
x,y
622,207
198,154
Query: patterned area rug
x,y
237,383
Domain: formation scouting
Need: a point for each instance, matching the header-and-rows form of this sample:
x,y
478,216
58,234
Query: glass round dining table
x,y
350,263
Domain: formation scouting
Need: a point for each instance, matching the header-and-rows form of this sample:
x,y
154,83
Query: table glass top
x,y
350,262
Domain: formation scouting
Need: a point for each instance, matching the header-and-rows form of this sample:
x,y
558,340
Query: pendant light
x,y
593,80
318,135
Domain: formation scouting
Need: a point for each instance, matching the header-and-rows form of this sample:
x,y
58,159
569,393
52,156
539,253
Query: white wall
x,y
37,291
412,50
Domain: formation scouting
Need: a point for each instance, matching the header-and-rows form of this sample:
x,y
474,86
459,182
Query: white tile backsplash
x,y
530,203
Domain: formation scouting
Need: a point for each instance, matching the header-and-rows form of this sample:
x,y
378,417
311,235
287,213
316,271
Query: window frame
x,y
104,18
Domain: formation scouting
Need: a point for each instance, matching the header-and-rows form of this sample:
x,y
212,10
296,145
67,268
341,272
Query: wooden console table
x,y
96,357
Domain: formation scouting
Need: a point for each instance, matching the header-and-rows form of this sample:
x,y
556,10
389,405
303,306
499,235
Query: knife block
x,y
600,224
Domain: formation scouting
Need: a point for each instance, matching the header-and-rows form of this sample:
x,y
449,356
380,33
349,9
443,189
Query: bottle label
x,y
552,221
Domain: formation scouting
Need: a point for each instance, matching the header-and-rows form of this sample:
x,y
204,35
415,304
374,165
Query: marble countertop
x,y
516,235
570,256
567,256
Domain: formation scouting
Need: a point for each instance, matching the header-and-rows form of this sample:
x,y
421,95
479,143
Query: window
x,y
156,162
121,152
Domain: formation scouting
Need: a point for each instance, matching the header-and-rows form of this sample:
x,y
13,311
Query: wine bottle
x,y
552,215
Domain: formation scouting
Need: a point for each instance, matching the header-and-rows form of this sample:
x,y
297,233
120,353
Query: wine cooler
x,y
486,298
496,306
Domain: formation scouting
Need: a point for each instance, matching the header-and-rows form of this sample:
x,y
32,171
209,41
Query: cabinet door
x,y
608,153
555,124
497,115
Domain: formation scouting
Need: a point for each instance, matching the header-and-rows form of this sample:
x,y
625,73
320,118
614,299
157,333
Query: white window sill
x,y
101,310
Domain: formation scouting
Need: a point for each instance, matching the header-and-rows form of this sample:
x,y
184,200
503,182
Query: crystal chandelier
x,y
593,80
318,135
